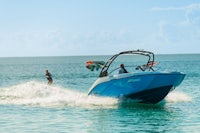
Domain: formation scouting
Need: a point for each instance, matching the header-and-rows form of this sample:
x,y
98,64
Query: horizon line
x,y
33,56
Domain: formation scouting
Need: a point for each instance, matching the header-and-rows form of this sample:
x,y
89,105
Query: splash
x,y
35,93
40,94
176,96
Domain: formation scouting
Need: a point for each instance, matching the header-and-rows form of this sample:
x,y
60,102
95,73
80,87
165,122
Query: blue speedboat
x,y
140,83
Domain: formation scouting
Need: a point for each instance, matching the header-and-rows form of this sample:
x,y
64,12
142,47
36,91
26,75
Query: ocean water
x,y
28,104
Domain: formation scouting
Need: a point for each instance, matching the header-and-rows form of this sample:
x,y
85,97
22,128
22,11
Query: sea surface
x,y
29,105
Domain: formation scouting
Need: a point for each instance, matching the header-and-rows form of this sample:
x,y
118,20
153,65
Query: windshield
x,y
130,63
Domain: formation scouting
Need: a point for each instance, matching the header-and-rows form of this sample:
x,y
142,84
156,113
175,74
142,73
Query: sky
x,y
98,27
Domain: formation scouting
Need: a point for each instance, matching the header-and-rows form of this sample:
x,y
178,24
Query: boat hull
x,y
153,96
145,87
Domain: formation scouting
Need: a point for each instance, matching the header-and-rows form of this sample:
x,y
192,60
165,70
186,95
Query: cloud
x,y
28,43
99,42
168,9
180,34
171,33
60,42
192,12
190,7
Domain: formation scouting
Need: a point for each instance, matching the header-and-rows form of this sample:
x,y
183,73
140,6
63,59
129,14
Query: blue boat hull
x,y
153,96
146,87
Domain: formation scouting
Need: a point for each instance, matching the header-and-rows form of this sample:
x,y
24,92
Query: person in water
x,y
122,69
49,77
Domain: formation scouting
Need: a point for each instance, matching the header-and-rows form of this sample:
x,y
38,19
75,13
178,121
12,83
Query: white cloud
x,y
182,35
168,9
59,42
170,33
192,14
28,43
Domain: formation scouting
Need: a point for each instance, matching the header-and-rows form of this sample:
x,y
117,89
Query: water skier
x,y
49,77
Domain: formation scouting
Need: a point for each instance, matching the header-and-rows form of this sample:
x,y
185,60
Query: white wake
x,y
175,96
35,93
40,94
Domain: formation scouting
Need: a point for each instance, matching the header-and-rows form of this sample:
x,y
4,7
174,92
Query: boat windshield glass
x,y
130,63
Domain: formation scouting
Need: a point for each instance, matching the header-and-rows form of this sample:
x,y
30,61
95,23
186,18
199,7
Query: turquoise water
x,y
28,104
